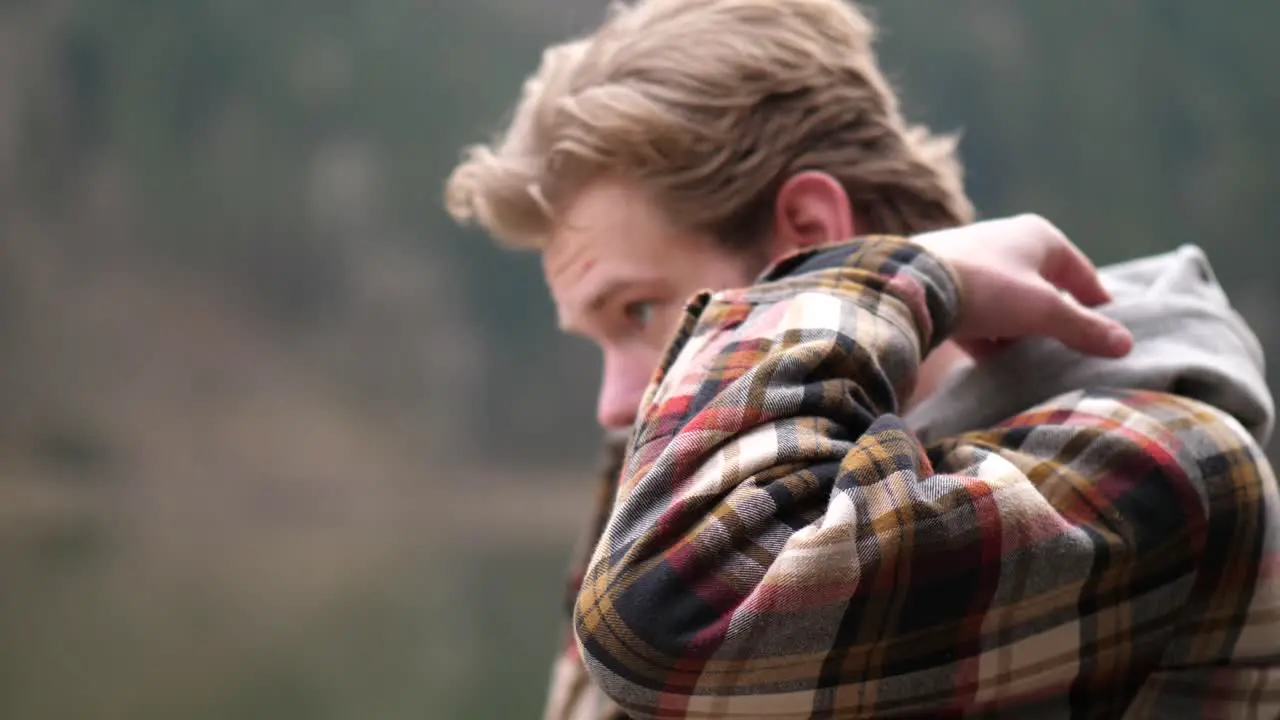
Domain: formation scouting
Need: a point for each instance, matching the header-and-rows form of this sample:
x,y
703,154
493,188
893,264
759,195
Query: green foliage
x,y
217,192
1136,127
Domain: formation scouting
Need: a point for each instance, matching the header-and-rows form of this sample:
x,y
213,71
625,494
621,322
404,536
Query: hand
x,y
1013,273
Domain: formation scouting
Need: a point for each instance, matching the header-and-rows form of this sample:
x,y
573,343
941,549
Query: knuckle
x,y
1082,323
1040,226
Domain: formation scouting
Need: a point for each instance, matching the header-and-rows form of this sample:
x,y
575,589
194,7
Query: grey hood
x,y
1188,341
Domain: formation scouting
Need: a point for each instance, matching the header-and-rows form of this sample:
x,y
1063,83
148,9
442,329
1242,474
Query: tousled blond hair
x,y
708,106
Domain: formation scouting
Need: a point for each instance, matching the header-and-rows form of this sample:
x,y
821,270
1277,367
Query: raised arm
x,y
782,545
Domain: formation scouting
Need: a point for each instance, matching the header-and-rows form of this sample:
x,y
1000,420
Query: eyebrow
x,y
601,296
607,292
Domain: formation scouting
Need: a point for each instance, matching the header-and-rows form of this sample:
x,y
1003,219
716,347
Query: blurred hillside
x,y
277,440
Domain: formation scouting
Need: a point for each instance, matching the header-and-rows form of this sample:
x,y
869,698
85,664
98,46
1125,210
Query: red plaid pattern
x,y
782,545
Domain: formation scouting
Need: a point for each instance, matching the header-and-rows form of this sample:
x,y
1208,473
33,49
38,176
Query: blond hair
x,y
708,106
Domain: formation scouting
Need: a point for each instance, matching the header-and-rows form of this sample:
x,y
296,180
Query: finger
x,y
1068,268
1083,329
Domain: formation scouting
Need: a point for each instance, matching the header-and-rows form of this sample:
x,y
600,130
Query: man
x,y
873,476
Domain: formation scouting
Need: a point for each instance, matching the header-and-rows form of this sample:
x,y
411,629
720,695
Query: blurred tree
x,y
234,312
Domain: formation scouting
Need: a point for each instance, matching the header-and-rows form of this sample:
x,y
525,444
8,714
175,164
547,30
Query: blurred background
x,y
279,441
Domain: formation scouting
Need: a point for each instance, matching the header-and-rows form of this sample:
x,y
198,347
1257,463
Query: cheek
x,y
670,316
639,362
627,372
630,369
664,327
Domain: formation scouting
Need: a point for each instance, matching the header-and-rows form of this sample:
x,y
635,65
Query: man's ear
x,y
811,209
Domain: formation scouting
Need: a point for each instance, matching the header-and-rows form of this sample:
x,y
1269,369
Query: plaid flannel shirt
x,y
781,545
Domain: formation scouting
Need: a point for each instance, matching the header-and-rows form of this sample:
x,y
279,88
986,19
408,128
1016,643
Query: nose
x,y
622,386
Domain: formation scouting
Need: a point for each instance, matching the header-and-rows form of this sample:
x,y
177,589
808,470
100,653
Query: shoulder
x,y
1127,436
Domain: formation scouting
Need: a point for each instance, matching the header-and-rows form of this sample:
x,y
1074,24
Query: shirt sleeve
x,y
783,546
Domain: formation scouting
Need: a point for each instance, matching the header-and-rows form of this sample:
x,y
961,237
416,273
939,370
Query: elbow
x,y
642,630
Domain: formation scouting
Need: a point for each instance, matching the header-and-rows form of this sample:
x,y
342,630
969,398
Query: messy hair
x,y
708,106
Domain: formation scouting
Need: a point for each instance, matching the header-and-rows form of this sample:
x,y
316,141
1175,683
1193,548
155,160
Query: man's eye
x,y
640,313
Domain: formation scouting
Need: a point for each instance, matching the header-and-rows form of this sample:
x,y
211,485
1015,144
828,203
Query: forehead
x,y
611,242
608,238
611,222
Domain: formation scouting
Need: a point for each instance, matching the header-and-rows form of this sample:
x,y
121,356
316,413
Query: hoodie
x,y
1188,341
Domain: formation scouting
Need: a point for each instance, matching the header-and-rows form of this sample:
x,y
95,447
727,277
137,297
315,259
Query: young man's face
x,y
620,274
